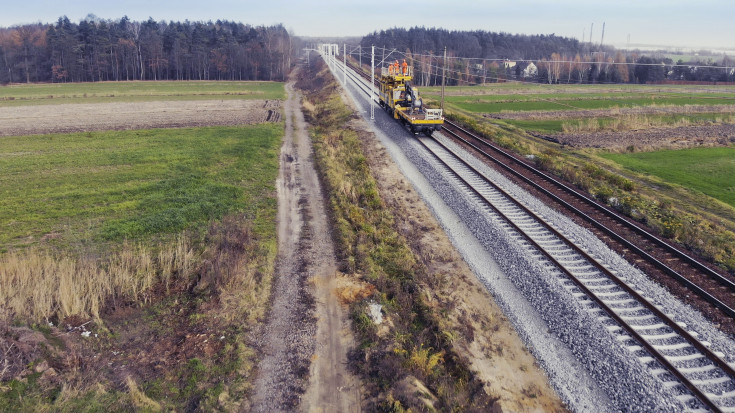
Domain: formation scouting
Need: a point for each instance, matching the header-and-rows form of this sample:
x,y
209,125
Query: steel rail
x,y
720,363
607,212
610,214
723,365
695,264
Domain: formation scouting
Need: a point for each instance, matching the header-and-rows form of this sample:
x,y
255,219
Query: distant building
x,y
530,71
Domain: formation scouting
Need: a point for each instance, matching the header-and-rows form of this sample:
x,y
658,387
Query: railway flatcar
x,y
402,100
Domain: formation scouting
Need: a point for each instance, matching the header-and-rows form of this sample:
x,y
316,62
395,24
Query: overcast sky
x,y
701,23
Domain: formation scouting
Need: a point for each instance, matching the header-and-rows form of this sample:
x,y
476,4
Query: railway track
x,y
657,258
701,378
653,255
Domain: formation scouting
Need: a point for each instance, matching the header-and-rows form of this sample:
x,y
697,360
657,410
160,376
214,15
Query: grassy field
x,y
516,90
708,170
101,92
110,186
152,240
530,98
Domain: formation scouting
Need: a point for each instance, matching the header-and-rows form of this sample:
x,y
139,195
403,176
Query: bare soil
x,y
669,138
67,118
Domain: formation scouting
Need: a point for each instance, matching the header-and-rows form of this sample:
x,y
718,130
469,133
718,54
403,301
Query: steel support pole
x,y
444,70
372,84
344,63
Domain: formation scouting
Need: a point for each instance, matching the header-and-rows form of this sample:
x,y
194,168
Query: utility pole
x,y
372,83
602,38
344,63
444,71
334,56
360,57
592,25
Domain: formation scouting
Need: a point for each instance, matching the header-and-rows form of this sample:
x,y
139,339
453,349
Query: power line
x,y
692,66
465,79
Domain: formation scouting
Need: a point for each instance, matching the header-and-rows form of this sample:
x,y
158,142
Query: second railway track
x,y
655,256
698,377
714,290
701,378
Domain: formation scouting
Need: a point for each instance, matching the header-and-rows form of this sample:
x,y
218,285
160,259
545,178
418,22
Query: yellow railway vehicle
x,y
402,100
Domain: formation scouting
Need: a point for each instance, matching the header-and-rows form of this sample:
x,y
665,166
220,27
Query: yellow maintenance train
x,y
402,100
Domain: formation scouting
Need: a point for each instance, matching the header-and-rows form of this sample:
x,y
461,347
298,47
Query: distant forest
x,y
98,50
479,44
477,57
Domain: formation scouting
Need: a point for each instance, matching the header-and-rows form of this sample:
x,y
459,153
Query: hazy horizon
x,y
665,23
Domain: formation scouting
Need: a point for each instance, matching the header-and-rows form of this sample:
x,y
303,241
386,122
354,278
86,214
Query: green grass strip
x,y
109,186
708,170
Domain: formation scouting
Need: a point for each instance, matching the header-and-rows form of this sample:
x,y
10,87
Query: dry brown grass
x,y
140,400
653,109
350,289
37,284
239,267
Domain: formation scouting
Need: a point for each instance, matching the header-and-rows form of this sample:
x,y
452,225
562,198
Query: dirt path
x,y
307,330
332,388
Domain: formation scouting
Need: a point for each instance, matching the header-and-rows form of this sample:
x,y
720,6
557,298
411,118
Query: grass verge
x,y
413,343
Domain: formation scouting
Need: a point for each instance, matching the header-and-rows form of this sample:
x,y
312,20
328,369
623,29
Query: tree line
x,y
425,48
478,57
99,50
603,67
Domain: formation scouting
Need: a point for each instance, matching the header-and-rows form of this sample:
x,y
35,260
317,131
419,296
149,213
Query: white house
x,y
530,71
